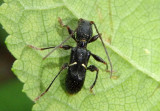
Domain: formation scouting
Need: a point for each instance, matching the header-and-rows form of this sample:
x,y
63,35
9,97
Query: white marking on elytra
x,y
84,66
74,63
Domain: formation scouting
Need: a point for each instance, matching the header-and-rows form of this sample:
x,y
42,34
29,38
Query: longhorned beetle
x,y
79,56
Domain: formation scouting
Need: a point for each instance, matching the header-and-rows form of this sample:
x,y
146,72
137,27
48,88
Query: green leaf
x,y
12,99
133,28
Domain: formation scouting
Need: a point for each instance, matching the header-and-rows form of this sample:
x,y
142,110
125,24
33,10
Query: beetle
x,y
79,58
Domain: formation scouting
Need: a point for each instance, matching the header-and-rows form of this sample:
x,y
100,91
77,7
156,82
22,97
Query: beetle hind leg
x,y
62,68
93,68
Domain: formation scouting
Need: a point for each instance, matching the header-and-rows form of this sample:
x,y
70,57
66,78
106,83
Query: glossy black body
x,y
76,73
79,56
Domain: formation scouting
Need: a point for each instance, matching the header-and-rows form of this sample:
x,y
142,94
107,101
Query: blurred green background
x,y
11,96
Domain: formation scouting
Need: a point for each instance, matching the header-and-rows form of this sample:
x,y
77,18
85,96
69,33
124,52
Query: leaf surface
x,y
133,27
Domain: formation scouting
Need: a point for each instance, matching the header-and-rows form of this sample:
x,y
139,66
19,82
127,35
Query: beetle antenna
x,y
104,47
58,46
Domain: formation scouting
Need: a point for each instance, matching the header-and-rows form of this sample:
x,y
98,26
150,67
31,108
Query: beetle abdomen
x,y
77,70
73,84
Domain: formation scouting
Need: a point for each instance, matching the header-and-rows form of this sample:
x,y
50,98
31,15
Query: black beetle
x,y
79,56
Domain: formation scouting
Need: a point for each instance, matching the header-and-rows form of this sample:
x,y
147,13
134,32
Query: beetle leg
x,y
70,31
58,46
65,47
92,22
94,38
93,68
99,59
62,68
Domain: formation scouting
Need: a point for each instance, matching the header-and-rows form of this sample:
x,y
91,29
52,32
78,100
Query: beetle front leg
x,y
70,31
